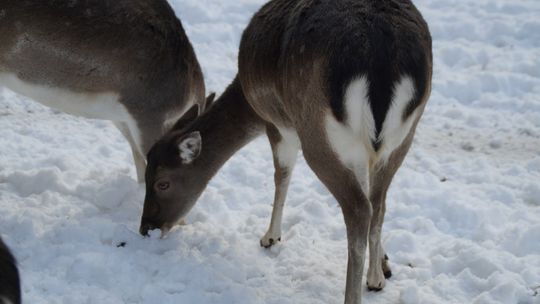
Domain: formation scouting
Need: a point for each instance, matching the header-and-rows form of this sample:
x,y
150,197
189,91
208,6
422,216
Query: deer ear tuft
x,y
209,101
189,147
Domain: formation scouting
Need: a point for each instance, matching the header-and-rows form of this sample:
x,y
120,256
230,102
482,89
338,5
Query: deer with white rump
x,y
128,61
346,81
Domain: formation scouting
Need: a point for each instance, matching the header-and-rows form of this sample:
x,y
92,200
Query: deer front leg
x,y
138,156
285,146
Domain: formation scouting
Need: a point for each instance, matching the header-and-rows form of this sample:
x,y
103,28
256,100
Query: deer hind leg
x,y
381,179
397,134
378,269
285,146
348,184
138,156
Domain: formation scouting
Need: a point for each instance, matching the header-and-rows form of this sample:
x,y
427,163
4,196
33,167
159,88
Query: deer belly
x,y
103,105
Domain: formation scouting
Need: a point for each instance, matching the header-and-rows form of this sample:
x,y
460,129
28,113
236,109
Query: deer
x,y
346,82
127,61
10,289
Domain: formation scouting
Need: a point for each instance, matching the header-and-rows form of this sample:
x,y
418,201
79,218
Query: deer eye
x,y
162,186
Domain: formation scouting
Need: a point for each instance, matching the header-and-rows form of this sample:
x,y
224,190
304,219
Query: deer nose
x,y
146,226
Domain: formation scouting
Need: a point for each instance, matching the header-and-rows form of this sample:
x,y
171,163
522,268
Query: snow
x,y
463,217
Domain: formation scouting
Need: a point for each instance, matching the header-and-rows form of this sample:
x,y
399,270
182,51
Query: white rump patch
x,y
352,141
362,123
395,130
353,151
358,109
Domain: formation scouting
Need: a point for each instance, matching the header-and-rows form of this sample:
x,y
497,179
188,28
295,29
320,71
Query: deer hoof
x,y
386,268
375,281
377,288
269,242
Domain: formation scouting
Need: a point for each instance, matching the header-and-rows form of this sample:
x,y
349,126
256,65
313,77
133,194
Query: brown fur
x,y
225,127
288,76
135,48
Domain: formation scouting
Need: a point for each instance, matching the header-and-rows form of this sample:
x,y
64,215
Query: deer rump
x,y
369,62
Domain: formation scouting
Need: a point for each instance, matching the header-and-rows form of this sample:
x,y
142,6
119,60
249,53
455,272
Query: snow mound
x,y
463,216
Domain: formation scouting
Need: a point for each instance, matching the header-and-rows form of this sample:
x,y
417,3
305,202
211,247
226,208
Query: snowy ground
x,y
463,219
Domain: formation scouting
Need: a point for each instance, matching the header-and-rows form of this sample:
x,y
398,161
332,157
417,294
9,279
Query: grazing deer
x,y
10,290
128,61
344,80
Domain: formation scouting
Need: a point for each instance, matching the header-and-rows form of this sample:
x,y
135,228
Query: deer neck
x,y
225,128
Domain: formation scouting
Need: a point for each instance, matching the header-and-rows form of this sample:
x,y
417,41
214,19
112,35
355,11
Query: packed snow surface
x,y
463,217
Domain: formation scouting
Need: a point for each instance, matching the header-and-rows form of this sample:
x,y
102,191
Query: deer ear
x,y
189,147
188,117
209,101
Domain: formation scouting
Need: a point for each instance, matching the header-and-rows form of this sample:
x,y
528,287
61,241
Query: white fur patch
x,y
287,148
395,130
352,141
355,141
190,147
353,150
358,109
103,105
287,151
361,121
91,105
